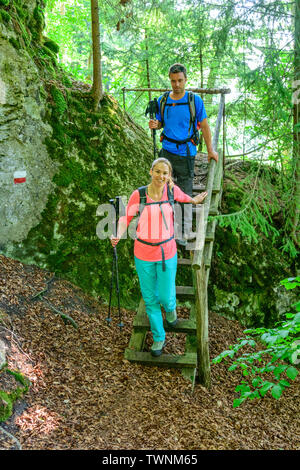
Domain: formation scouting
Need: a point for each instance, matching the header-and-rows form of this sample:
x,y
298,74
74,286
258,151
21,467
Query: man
x,y
179,144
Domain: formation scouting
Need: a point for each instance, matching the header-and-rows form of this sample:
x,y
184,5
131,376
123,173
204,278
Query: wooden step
x,y
185,261
213,210
199,188
185,290
183,325
166,360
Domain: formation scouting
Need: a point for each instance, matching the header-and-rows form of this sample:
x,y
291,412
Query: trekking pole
x,y
108,319
152,109
120,324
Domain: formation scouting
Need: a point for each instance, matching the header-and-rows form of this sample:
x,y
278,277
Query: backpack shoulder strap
x,y
142,192
171,196
192,107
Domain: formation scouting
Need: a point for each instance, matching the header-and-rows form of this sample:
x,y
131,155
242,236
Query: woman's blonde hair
x,y
166,161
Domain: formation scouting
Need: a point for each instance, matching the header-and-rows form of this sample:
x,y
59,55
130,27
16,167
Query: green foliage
x,y
5,16
277,358
59,99
51,45
254,206
7,399
4,3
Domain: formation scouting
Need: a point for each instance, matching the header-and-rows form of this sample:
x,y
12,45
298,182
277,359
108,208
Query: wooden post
x,y
201,310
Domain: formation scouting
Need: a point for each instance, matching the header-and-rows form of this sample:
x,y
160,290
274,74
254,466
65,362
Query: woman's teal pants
x,y
158,288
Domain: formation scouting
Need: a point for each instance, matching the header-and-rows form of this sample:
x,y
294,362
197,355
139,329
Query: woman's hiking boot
x,y
171,318
157,347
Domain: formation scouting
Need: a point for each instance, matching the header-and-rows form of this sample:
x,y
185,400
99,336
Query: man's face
x,y
178,82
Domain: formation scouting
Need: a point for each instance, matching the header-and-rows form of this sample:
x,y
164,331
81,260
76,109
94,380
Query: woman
x,y
155,250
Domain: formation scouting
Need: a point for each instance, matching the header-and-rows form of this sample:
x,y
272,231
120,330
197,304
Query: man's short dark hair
x,y
177,68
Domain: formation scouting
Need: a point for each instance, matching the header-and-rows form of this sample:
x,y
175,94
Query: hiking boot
x,y
157,347
171,318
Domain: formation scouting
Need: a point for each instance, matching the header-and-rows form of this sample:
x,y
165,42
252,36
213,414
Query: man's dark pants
x,y
183,173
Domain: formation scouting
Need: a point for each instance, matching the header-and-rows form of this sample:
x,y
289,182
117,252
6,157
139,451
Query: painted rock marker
x,y
19,177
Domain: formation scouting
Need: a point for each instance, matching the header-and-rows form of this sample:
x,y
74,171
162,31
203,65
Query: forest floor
x,y
85,395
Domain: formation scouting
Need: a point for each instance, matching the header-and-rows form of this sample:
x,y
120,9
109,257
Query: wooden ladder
x,y
196,355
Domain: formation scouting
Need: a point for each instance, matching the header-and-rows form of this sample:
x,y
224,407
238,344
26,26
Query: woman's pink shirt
x,y
151,226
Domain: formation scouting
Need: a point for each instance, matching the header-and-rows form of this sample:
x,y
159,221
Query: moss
x,y
37,24
51,45
7,399
59,100
21,13
15,43
5,16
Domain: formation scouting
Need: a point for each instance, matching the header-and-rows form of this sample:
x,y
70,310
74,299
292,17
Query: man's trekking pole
x,y
152,109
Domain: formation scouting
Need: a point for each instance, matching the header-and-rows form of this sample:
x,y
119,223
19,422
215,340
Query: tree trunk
x,y
97,89
147,64
296,146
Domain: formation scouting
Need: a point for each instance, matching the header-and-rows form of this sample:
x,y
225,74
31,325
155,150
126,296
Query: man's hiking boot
x,y
157,347
171,318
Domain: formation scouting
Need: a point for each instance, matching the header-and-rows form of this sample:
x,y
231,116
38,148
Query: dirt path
x,y
84,395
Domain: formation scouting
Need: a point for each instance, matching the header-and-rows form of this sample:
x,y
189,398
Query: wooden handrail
x,y
202,224
210,91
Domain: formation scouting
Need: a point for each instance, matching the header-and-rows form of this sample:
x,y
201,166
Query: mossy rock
x,y
5,16
51,45
16,385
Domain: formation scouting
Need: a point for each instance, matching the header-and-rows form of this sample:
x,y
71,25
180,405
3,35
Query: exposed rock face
x,y
75,159
22,134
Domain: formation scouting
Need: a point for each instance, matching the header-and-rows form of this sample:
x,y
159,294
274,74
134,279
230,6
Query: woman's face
x,y
160,174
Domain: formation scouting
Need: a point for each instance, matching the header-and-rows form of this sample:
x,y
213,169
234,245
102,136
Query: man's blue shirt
x,y
177,121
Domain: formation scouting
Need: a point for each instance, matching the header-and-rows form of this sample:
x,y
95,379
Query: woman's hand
x,y
114,241
199,198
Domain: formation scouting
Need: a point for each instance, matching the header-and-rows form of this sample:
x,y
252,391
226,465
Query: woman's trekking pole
x,y
120,324
115,270
108,319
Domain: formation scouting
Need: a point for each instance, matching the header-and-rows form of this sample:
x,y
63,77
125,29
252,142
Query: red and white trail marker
x,y
19,177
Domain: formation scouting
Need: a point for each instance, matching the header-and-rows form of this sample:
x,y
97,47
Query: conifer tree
x,y
97,89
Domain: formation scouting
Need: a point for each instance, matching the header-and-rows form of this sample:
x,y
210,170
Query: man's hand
x,y
212,154
154,124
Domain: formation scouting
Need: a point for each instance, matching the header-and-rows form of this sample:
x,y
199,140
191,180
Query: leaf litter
x,y
85,395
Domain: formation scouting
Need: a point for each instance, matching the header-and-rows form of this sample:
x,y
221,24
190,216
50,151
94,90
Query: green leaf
x,y
277,391
237,402
256,381
279,369
264,389
296,306
284,383
292,373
